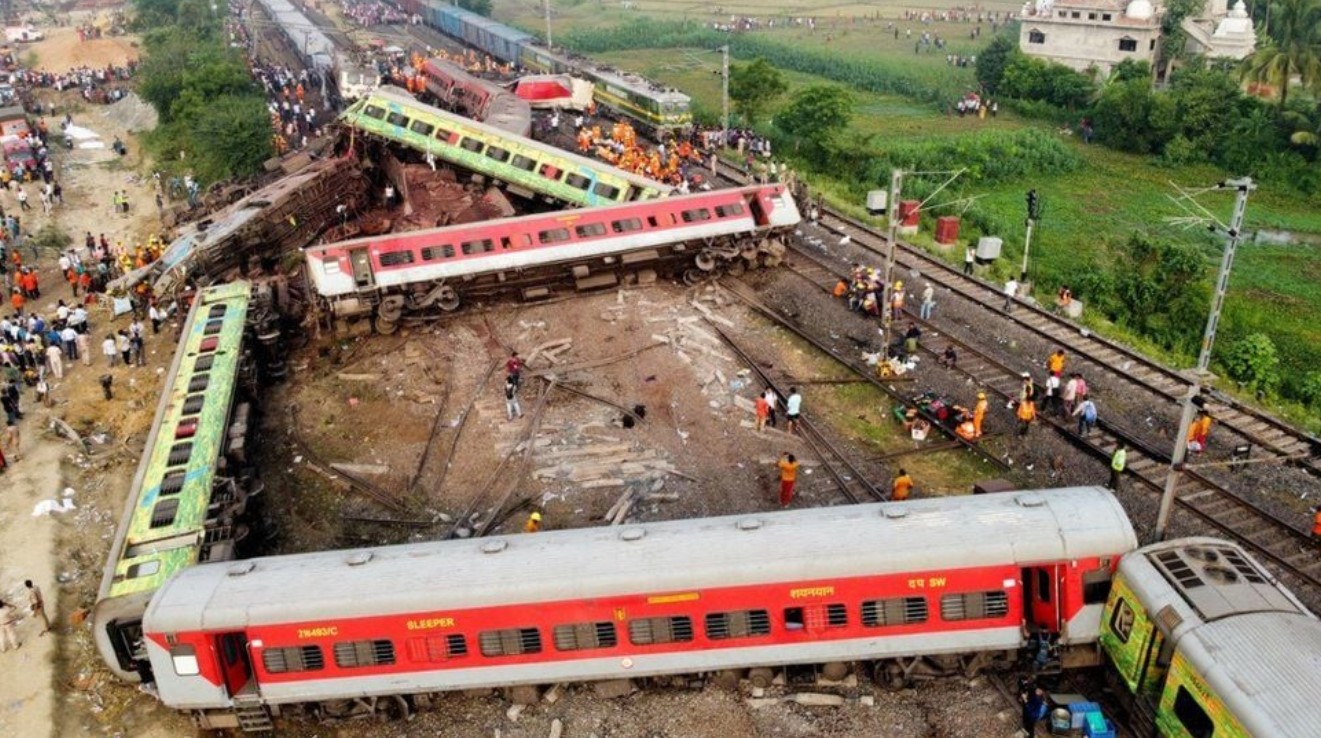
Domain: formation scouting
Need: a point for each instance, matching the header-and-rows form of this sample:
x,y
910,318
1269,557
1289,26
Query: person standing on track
x,y
969,259
514,369
788,465
763,412
928,302
1118,460
772,399
1086,412
1011,291
979,414
1026,413
1055,363
1200,432
902,487
793,407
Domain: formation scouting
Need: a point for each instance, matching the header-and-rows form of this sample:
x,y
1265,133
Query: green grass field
x,y
1088,212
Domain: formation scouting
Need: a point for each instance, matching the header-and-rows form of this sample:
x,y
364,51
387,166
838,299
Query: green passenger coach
x,y
1205,643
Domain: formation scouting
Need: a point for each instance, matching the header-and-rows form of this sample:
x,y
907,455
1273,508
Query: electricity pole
x,y
724,95
1242,188
545,4
887,291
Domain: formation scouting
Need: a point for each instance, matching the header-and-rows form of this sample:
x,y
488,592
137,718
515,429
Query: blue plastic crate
x,y
1098,727
1079,712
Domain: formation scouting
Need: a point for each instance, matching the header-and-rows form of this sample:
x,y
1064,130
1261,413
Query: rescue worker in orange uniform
x,y
1026,413
1316,526
1199,432
533,523
979,414
1055,363
902,487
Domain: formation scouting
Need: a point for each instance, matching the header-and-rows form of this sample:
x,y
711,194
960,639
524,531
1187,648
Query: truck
x,y
23,34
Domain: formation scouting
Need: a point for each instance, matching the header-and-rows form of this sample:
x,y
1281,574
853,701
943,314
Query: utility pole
x,y
887,292
1242,188
545,4
724,95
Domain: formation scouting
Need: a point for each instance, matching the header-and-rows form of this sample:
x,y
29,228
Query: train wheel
x,y
891,675
727,679
704,261
385,327
736,267
693,276
761,677
835,670
449,300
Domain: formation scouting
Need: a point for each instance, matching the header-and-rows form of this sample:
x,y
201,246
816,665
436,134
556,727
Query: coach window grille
x,y
432,253
199,382
648,631
894,611
696,215
590,230
443,135
296,658
437,648
554,235
374,111
397,119
179,454
607,191
396,258
725,211
479,246
162,515
497,153
216,311
509,642
550,172
421,127
212,327
350,654
203,363
581,636
738,624
974,606
472,144
577,181
524,163
172,484
626,225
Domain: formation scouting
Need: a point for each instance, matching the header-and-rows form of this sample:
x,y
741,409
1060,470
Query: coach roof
x,y
802,545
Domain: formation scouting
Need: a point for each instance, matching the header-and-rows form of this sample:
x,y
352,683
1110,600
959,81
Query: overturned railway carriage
x,y
1207,644
881,583
476,98
526,167
653,107
408,274
193,481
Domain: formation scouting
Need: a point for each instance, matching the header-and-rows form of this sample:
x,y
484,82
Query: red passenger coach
x,y
410,273
917,588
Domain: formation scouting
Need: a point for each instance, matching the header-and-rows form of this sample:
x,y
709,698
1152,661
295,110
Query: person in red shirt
x,y
788,476
18,300
514,369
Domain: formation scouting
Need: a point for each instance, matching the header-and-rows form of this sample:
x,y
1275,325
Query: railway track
x,y
1225,509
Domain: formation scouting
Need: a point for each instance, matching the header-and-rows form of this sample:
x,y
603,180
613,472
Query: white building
x,y
1102,33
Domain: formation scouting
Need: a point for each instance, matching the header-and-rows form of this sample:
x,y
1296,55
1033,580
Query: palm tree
x,y
1292,48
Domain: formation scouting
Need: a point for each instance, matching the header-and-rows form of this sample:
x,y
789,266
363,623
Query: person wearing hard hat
x,y
979,414
897,301
533,523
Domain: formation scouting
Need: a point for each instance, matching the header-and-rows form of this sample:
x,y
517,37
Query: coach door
x,y
360,261
235,663
1041,588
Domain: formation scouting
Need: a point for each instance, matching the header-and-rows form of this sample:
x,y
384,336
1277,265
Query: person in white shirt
x,y
108,348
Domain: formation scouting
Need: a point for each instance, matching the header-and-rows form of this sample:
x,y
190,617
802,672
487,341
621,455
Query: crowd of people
x,y
368,13
97,84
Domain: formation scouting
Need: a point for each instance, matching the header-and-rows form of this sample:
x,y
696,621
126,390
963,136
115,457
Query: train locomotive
x,y
1205,643
417,272
915,589
194,480
655,109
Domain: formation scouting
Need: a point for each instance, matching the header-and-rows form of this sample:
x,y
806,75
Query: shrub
x,y
1253,362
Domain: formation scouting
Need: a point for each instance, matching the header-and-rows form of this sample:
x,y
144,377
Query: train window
x,y
444,135
199,382
837,615
142,569
187,428
696,215
1043,585
437,648
397,119
581,636
396,258
162,515
895,611
184,658
472,144
432,253
208,344
1096,585
193,405
212,327
510,641
497,153
553,235
1121,620
172,484
179,454
648,631
549,172
974,605
626,225
351,654
295,658
604,190
738,624
725,211
524,163
1192,715
480,246
422,127
374,111
578,181
590,230
216,311
204,363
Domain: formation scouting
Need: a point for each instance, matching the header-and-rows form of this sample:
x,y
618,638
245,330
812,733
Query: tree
x,y
1293,48
480,7
992,61
1159,288
1029,78
1253,362
753,87
1131,116
1130,69
815,114
1204,106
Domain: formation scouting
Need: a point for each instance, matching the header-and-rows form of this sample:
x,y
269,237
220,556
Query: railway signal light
x,y
1033,205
